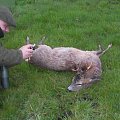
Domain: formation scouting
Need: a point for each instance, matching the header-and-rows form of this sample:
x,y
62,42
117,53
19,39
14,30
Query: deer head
x,y
80,80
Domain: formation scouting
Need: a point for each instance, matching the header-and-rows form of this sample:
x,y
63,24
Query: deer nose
x,y
69,89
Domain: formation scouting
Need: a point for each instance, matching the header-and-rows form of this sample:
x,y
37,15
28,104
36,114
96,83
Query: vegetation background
x,y
41,94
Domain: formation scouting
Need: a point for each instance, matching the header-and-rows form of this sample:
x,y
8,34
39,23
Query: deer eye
x,y
80,84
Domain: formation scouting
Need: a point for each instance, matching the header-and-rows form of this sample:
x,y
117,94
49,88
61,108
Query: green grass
x,y
41,94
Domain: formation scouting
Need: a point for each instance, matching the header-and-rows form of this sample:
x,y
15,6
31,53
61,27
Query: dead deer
x,y
86,64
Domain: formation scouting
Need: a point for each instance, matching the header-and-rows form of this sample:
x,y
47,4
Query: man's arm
x,y
10,57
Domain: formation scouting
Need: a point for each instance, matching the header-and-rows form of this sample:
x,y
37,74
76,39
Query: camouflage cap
x,y
6,16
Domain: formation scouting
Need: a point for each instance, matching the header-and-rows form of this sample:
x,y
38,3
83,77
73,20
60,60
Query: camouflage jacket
x,y
10,57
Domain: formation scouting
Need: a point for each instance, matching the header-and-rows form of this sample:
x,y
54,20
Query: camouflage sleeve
x,y
10,57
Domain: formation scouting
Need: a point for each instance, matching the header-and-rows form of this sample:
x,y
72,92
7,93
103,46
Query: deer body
x,y
86,64
62,58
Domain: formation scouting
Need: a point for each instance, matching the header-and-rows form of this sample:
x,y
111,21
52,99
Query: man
x,y
11,57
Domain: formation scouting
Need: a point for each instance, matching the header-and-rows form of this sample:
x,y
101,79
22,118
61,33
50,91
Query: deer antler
x,y
76,68
89,66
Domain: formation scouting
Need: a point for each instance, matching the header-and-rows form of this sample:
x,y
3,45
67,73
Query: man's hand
x,y
26,51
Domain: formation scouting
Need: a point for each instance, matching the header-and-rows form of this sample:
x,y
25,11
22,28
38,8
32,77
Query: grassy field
x,y
41,94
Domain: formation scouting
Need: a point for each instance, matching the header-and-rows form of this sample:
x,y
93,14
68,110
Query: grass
x,y
41,94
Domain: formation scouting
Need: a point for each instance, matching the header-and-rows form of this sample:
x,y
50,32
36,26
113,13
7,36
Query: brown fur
x,y
85,63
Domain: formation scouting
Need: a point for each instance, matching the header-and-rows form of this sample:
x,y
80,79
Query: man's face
x,y
4,26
